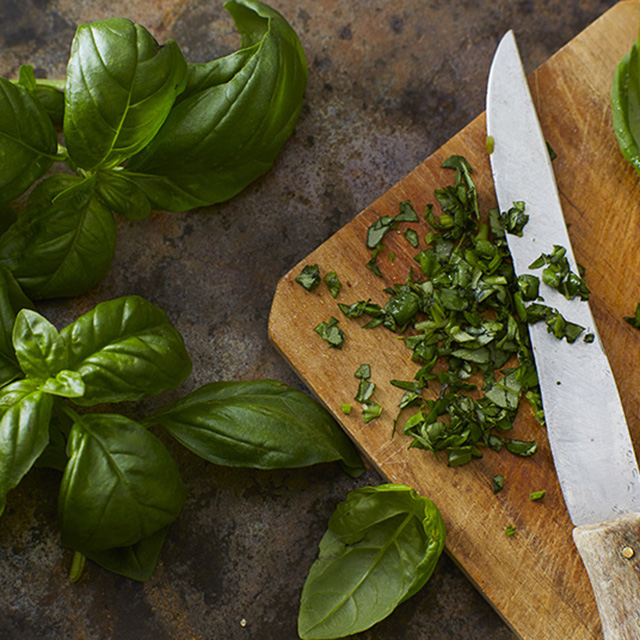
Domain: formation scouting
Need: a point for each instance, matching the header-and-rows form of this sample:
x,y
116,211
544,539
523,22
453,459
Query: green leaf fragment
x,y
309,277
331,333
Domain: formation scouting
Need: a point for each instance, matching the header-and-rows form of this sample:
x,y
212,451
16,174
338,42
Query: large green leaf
x,y
63,242
381,546
233,118
12,299
120,87
625,100
28,142
120,485
262,424
24,431
125,349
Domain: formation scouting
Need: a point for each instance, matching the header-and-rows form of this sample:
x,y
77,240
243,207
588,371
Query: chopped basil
x,y
489,144
370,411
333,283
498,483
331,333
514,220
537,495
363,372
309,277
345,407
365,390
558,275
510,531
634,321
412,237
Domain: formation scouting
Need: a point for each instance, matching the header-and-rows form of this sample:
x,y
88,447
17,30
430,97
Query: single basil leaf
x,y
24,432
12,299
137,561
122,195
120,87
40,351
68,384
235,115
380,548
125,349
262,424
63,242
120,485
625,101
27,138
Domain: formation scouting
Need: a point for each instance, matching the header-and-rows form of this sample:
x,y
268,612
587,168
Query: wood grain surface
x,y
534,579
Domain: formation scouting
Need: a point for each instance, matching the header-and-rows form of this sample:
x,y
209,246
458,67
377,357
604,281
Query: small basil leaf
x,y
125,349
380,548
137,561
63,242
12,299
40,351
68,384
24,432
235,115
262,424
27,138
120,88
122,195
120,485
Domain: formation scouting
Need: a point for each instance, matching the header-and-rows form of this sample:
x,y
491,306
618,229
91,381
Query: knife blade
x,y
587,430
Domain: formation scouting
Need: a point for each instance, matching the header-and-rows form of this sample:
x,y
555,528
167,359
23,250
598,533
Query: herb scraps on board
x,y
464,315
142,129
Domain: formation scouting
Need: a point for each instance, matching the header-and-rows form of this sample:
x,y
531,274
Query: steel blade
x,y
587,430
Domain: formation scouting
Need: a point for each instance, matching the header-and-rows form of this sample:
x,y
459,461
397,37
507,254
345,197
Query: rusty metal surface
x,y
389,82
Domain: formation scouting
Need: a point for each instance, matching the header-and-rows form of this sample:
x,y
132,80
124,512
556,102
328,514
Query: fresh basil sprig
x,y
142,128
120,487
380,548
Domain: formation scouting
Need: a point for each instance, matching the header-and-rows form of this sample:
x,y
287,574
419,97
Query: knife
x,y
590,443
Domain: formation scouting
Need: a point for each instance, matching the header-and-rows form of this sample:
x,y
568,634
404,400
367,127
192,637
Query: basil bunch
x,y
143,129
120,487
625,101
380,548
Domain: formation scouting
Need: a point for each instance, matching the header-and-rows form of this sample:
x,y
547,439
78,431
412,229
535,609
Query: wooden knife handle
x,y
611,553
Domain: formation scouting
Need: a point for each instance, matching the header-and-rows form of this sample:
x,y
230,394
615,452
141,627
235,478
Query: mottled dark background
x,y
389,82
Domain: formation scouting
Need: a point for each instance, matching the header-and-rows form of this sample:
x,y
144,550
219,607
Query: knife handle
x,y
611,554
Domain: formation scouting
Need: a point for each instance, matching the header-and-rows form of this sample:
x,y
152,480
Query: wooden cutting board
x,y
534,579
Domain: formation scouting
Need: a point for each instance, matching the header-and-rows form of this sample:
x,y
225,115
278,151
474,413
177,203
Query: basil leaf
x,y
27,138
120,485
52,101
24,432
40,351
380,548
120,87
63,242
234,116
625,101
122,195
125,349
262,424
137,561
12,299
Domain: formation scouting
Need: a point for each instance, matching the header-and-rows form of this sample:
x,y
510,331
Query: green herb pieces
x,y
309,277
498,483
464,319
537,495
510,531
489,144
263,424
556,323
345,407
371,411
333,283
384,224
380,548
331,333
412,237
634,320
558,275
